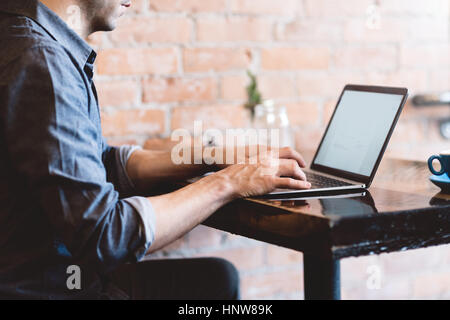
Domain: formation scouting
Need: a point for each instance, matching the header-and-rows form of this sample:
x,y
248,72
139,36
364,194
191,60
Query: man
x,y
69,201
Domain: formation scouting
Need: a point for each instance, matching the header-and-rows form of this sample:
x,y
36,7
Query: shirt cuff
x,y
123,154
148,222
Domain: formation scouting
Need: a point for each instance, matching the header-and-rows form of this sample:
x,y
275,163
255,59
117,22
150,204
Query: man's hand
x,y
267,172
242,154
180,211
149,169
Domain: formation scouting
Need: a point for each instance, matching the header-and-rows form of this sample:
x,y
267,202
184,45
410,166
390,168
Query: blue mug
x,y
444,159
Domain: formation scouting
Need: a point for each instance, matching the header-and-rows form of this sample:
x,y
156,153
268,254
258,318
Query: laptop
x,y
355,139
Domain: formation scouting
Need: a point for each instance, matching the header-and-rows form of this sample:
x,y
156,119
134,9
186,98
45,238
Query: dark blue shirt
x,y
64,199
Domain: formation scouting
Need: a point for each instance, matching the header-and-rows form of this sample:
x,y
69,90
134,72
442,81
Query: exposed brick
x,y
308,138
309,30
439,80
356,277
324,84
118,93
367,57
419,151
270,284
328,110
277,86
243,258
188,5
137,61
354,271
268,7
413,260
203,236
177,245
434,134
410,132
215,59
395,289
215,117
333,8
430,29
158,144
445,251
179,89
414,80
152,29
277,256
410,111
117,142
233,29
436,285
138,6
391,29
123,122
96,39
295,58
234,87
303,113
428,56
416,7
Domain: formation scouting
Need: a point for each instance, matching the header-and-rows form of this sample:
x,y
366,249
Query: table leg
x,y
322,278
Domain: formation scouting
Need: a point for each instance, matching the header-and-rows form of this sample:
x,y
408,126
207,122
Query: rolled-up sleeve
x,y
57,150
115,160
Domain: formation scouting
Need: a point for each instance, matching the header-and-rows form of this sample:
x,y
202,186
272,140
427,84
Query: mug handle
x,y
430,165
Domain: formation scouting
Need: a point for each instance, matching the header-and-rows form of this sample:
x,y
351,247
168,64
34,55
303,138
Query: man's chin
x,y
105,26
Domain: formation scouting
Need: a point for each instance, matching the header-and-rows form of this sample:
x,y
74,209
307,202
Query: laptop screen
x,y
358,131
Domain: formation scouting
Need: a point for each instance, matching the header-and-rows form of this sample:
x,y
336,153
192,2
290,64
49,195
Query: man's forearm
x,y
179,212
148,169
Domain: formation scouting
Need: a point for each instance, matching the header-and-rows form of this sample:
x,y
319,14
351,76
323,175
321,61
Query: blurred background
x,y
171,62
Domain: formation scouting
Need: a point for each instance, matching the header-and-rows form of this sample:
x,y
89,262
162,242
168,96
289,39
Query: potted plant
x,y
253,94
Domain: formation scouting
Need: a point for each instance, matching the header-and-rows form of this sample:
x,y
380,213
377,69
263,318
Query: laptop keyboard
x,y
319,181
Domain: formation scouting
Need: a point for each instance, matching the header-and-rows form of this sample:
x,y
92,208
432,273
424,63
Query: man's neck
x,y
71,13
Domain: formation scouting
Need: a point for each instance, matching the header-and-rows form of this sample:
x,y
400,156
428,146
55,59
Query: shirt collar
x,y
54,26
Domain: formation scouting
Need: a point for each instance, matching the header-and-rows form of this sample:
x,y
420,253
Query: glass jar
x,y
271,117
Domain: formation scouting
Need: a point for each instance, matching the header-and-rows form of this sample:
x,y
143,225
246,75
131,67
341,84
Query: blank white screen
x,y
358,131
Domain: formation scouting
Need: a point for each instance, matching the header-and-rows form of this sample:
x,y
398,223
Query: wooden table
x,y
401,211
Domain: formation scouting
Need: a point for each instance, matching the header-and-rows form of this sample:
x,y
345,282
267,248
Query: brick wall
x,y
171,62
